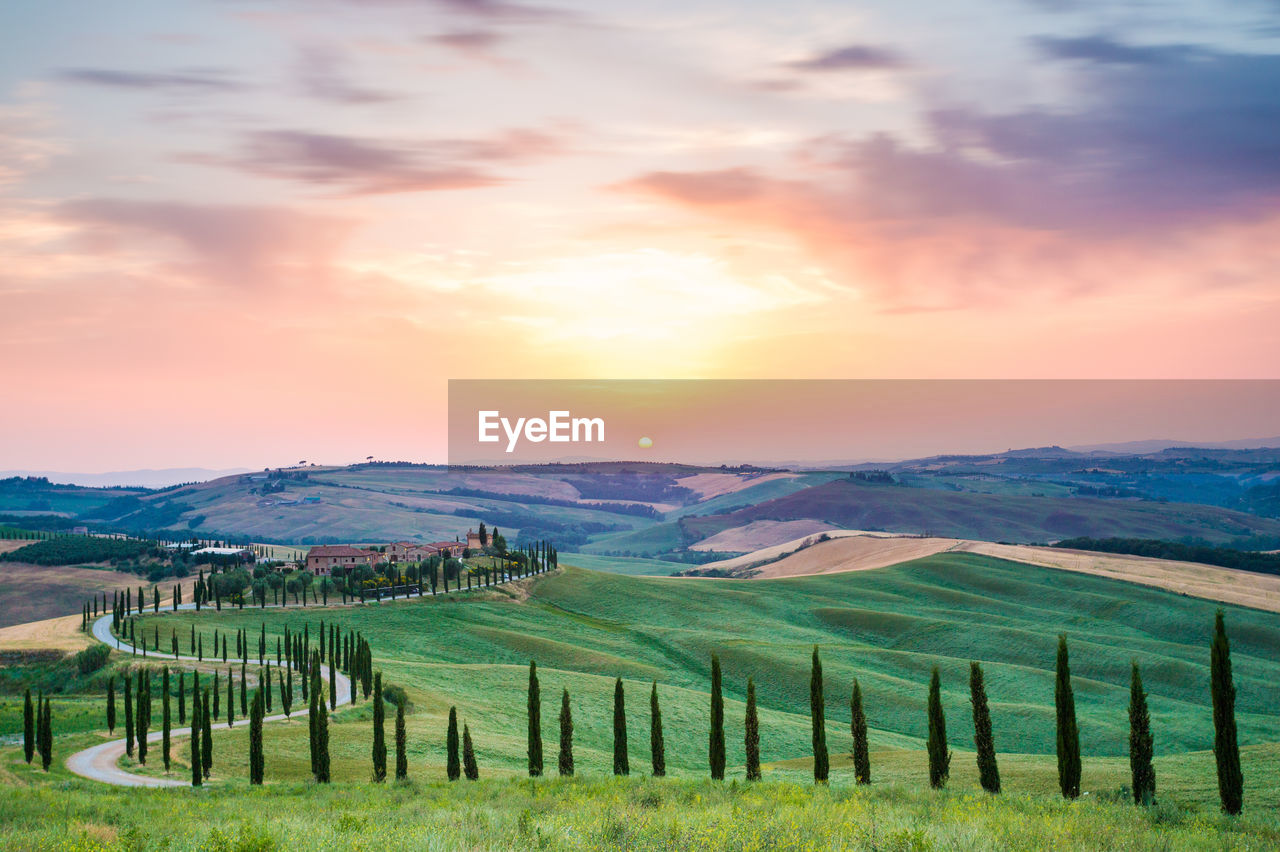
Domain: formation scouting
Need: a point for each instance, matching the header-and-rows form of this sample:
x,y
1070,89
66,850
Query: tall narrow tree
x,y
535,722
452,767
313,739
255,739
128,715
751,738
858,728
197,775
322,744
715,750
1141,743
182,698
206,736
621,763
142,708
45,735
983,740
29,722
111,706
818,721
566,736
333,684
166,721
469,756
402,755
1068,733
1226,747
657,744
379,732
939,755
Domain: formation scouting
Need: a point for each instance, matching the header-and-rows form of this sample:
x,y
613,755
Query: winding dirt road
x,y
101,762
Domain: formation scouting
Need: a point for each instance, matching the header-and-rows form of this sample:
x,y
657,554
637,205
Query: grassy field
x,y
887,627
591,814
34,592
636,566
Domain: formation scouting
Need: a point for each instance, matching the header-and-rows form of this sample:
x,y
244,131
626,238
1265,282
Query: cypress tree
x,y
1141,743
231,698
535,722
217,693
197,776
322,745
286,691
255,739
983,739
29,723
621,764
402,756
751,738
206,737
1068,732
166,721
182,698
1226,748
858,727
141,702
469,756
452,746
939,756
817,713
379,735
333,684
566,735
313,742
264,679
46,735
657,745
715,749
128,715
111,707
244,697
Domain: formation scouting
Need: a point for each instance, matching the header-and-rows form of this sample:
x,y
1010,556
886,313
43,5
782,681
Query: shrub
x,y
396,695
92,658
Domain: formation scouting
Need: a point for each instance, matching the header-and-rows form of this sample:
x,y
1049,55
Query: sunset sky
x,y
248,232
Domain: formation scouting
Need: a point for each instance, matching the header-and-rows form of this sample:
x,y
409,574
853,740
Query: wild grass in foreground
x,y
590,814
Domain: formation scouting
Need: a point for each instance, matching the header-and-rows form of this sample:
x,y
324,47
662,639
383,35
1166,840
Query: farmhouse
x,y
410,551
323,558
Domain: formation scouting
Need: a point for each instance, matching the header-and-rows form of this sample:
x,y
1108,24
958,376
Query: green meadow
x,y
887,627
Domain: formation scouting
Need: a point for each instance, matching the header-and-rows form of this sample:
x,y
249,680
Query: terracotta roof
x,y
336,550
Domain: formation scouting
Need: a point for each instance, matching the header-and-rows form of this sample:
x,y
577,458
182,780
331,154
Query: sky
x,y
249,232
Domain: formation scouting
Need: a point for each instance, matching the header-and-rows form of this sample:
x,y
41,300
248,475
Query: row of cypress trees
x,y
1141,741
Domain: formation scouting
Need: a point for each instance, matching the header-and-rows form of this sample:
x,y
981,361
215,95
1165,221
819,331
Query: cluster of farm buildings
x,y
323,558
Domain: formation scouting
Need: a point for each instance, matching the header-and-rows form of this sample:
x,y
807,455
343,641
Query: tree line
x,y
1225,557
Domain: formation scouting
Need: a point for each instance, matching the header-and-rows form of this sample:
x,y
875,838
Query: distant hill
x,y
1156,445
144,478
990,517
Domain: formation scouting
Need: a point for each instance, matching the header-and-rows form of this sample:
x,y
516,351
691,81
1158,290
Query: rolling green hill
x,y
887,627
